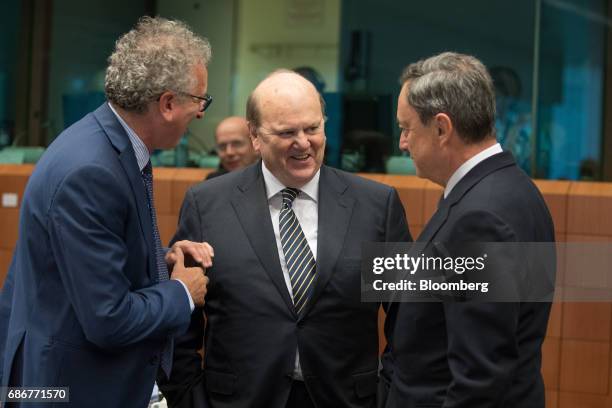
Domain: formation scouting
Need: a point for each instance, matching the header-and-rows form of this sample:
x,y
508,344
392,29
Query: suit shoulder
x,y
219,185
360,182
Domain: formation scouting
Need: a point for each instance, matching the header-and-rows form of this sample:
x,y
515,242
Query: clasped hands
x,y
193,276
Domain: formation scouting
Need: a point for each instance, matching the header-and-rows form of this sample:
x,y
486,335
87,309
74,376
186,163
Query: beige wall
x,y
213,19
268,38
249,40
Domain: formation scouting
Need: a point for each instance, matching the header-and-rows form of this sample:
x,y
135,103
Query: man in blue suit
x,y
88,303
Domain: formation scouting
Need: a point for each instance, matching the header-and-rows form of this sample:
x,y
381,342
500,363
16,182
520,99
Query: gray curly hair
x,y
458,85
156,56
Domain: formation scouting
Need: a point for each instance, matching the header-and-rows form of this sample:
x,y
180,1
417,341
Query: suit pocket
x,y
365,383
220,383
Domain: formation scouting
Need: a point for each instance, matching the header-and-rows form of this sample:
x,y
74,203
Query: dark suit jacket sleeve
x,y
482,343
185,388
396,224
86,225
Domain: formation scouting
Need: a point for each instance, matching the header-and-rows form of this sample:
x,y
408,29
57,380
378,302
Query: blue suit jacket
x,y
81,306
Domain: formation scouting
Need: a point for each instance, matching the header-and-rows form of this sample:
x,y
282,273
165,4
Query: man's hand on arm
x,y
193,278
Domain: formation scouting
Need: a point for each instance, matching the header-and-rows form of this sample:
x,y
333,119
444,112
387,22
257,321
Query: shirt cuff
x,y
191,304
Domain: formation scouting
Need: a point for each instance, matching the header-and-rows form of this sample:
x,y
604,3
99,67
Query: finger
x,y
170,258
209,254
193,249
210,249
207,259
179,258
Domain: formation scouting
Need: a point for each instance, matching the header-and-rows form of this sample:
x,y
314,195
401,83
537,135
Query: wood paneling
x,y
5,261
585,366
581,400
588,266
554,322
412,194
415,231
163,178
551,356
433,192
167,227
590,209
586,321
576,353
9,220
13,179
555,195
183,179
552,399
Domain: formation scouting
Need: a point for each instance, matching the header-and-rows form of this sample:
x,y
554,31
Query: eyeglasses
x,y
205,100
234,144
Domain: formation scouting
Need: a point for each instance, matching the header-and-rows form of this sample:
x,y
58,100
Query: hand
x,y
194,278
201,252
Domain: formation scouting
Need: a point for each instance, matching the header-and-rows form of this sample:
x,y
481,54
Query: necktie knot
x,y
289,195
147,170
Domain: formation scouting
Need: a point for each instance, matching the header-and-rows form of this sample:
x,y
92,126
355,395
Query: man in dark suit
x,y
466,354
285,326
88,303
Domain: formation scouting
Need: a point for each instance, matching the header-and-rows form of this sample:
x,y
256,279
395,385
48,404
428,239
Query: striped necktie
x,y
298,256
162,268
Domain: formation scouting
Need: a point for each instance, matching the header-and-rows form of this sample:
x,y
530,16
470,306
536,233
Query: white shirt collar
x,y
469,165
140,150
274,186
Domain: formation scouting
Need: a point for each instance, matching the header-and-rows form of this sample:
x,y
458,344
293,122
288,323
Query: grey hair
x,y
253,114
457,85
156,56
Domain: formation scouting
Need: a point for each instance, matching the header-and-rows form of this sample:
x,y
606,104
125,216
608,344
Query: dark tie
x,y
162,268
300,262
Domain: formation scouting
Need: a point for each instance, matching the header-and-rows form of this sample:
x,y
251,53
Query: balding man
x,y
233,145
285,324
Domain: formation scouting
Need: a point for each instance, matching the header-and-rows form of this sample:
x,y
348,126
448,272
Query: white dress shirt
x,y
469,165
305,207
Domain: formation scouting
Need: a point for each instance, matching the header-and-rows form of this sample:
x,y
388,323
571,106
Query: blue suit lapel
x,y
121,142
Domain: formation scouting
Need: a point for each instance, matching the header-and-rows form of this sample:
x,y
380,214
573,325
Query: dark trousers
x,y
299,397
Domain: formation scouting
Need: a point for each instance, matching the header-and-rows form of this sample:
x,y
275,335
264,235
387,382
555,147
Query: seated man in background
x,y
233,146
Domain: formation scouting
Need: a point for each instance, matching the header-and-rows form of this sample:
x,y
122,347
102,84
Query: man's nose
x,y
302,140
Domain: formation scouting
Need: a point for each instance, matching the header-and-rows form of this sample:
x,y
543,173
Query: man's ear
x,y
167,105
444,126
253,135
